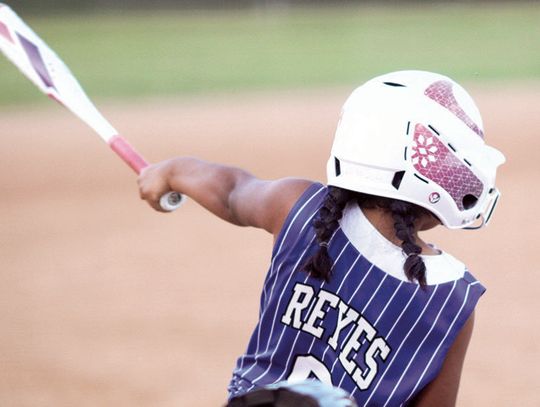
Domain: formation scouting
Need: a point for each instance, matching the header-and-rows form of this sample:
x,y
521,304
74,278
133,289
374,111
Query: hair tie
x,y
323,244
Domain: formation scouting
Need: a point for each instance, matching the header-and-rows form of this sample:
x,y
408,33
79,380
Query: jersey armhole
x,y
307,198
476,291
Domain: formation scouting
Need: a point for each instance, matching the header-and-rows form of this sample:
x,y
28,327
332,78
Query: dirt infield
x,y
104,302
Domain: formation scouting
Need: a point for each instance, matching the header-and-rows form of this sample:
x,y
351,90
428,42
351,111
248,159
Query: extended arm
x,y
442,391
230,193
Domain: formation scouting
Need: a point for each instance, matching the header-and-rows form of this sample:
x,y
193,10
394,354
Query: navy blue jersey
x,y
369,330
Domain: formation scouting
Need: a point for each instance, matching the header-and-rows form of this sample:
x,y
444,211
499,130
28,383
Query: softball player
x,y
353,296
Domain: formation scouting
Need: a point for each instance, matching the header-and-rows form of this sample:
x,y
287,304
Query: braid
x,y
325,224
404,215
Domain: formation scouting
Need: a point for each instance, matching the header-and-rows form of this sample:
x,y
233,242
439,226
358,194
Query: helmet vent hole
x,y
469,201
337,165
398,176
394,84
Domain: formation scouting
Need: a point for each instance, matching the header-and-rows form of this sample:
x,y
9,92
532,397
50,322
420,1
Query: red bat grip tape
x,y
131,157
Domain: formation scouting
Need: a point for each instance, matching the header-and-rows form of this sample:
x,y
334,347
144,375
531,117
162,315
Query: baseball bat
x,y
40,64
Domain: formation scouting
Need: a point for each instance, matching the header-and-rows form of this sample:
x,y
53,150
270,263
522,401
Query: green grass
x,y
168,53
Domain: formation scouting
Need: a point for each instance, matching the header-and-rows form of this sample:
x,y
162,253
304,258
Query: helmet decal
x,y
441,92
425,150
432,159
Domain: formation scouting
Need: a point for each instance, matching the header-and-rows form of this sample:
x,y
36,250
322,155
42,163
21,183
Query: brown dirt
x,y
104,302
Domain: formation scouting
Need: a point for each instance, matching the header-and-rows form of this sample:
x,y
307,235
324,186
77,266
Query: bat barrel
x,y
39,63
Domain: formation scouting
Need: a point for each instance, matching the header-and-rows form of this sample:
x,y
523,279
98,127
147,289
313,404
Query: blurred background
x,y
127,49
105,302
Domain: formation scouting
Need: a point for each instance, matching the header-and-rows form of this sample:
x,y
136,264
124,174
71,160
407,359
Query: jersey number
x,y
309,366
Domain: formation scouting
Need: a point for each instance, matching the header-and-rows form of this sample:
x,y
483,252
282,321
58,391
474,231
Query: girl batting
x,y
354,297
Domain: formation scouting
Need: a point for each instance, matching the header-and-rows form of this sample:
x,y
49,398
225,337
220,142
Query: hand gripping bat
x,y
45,69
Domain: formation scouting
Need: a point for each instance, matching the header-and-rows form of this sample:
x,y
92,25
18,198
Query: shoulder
x,y
297,210
287,194
443,268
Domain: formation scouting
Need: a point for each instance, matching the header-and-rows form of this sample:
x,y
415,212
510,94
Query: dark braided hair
x,y
404,214
325,224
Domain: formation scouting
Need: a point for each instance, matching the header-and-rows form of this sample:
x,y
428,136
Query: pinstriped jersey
x,y
368,330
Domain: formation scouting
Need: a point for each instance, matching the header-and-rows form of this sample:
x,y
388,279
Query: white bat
x,y
45,69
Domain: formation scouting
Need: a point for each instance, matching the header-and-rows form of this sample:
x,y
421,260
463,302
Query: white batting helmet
x,y
418,137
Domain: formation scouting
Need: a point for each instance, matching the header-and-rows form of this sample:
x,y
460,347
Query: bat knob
x,y
171,201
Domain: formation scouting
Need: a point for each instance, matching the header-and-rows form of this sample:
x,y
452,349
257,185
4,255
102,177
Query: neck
x,y
383,222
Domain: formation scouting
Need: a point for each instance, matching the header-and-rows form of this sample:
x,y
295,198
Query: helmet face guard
x,y
417,137
486,214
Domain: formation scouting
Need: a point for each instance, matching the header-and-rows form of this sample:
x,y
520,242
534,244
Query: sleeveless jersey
x,y
368,330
